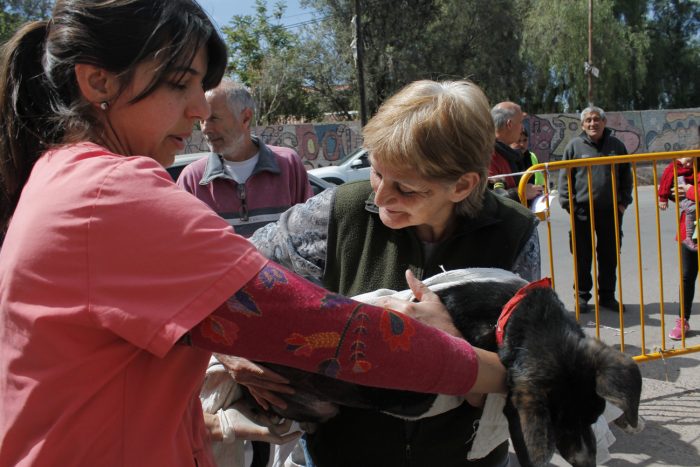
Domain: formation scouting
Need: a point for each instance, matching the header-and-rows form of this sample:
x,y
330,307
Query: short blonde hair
x,y
442,130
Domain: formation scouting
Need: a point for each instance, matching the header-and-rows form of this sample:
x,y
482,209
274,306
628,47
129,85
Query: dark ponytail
x,y
25,112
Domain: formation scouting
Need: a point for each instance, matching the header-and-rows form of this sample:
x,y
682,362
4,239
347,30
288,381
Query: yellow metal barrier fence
x,y
648,161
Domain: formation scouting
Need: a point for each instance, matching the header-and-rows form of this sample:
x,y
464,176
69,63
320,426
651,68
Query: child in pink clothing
x,y
683,178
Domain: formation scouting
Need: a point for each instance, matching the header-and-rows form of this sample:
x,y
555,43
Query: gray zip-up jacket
x,y
581,147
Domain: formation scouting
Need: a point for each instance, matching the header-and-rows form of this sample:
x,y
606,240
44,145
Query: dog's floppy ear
x,y
530,426
618,379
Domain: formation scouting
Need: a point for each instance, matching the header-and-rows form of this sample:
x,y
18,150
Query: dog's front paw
x,y
622,423
308,427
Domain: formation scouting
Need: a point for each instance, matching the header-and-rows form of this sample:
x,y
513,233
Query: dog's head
x,y
559,381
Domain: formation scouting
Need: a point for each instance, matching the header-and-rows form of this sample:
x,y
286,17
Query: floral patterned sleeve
x,y
281,318
527,264
299,239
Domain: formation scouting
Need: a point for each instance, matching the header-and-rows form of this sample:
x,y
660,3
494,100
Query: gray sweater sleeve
x,y
528,263
299,239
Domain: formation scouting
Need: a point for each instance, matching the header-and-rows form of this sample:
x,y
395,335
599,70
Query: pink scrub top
x,y
106,264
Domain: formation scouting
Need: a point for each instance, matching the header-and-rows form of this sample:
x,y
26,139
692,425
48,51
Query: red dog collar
x,y
509,307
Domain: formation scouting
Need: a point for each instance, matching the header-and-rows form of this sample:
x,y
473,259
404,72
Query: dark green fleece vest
x,y
365,255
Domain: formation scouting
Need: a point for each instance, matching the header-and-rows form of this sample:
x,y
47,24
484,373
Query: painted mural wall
x,y
324,144
318,144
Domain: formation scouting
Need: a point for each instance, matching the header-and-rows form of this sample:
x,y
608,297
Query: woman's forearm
x,y
491,376
279,317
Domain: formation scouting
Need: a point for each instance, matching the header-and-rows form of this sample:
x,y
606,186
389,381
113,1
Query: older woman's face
x,y
407,200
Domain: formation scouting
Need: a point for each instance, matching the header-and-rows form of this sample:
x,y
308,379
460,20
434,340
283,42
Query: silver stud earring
x,y
104,105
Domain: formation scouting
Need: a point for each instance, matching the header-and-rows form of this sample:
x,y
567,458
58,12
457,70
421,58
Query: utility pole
x,y
589,68
359,62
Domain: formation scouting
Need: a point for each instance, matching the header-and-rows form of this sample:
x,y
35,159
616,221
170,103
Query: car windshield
x,y
349,156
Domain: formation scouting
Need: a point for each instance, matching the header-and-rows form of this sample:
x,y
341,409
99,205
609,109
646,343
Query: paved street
x,y
671,390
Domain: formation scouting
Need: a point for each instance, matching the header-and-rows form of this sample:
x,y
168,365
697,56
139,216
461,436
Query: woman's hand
x,y
211,421
428,310
680,192
262,383
241,422
248,424
491,376
532,191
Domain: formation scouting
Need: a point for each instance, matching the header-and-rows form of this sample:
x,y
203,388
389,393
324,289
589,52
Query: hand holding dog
x,y
240,422
428,310
262,382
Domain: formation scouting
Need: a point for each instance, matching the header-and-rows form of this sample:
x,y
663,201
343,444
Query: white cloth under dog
x,y
218,392
493,425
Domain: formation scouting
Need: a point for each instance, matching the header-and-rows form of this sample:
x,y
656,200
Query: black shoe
x,y
582,305
611,304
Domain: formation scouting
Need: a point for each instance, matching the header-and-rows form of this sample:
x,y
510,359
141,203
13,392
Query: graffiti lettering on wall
x,y
322,144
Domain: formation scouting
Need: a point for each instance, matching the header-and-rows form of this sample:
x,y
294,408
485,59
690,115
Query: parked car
x,y
354,166
183,160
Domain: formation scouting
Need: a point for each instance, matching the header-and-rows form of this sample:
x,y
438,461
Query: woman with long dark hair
x,y
116,286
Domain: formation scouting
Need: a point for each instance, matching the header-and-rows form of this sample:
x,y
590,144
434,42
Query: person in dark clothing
x,y
528,158
506,161
596,141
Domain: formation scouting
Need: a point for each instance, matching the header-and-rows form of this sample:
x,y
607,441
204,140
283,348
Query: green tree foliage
x,y
478,40
674,60
555,45
529,51
394,38
328,74
430,39
14,13
332,72
263,54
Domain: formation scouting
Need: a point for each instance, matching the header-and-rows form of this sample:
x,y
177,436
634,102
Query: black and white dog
x,y
558,378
